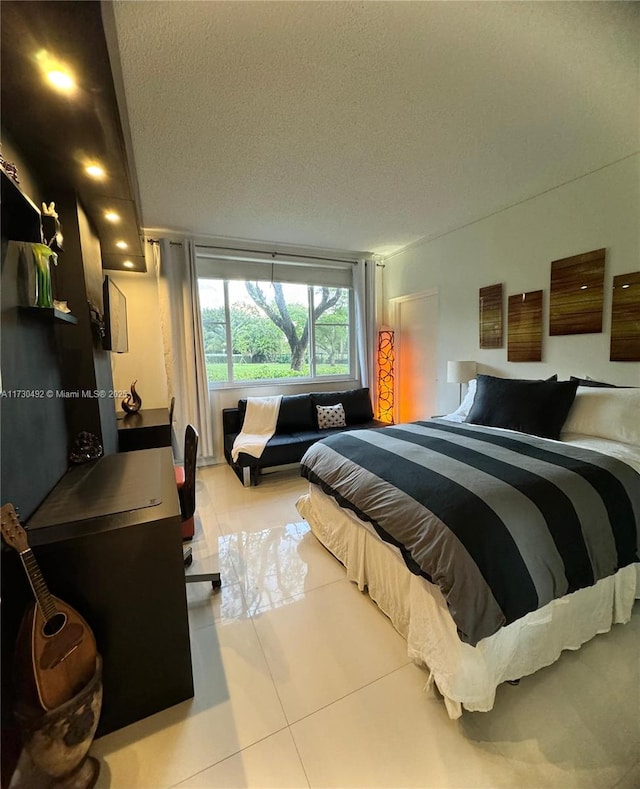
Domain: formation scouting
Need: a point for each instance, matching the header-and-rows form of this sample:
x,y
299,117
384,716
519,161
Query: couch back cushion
x,y
356,404
296,414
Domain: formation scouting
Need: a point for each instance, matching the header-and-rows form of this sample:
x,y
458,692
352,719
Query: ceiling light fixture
x,y
95,171
57,74
61,80
122,244
111,216
128,264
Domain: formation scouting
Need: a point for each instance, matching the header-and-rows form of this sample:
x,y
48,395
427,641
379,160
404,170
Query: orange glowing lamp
x,y
386,359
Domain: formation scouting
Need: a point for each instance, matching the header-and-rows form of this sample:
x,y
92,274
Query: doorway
x,y
415,319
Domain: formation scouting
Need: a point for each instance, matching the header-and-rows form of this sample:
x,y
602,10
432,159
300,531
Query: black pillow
x,y
589,382
535,407
356,403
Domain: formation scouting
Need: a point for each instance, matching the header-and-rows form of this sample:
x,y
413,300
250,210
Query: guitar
x,y
55,650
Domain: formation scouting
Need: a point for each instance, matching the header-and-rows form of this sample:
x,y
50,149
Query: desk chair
x,y
187,494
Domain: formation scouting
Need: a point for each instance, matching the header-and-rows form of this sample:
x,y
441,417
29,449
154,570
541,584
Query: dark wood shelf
x,y
20,191
50,313
20,215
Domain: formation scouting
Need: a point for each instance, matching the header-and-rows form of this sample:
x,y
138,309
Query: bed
x,y
541,556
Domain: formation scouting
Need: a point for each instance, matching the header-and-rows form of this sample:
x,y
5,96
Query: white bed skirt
x,y
466,676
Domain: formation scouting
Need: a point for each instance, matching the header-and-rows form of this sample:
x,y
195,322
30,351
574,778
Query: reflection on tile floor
x,y
302,682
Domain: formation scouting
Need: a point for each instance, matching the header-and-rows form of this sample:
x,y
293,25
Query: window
x,y
264,330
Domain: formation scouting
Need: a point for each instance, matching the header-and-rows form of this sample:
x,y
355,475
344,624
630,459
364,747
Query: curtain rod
x,y
277,254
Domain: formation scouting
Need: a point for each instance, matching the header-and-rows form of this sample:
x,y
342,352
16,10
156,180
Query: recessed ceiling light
x,y
95,171
61,80
122,244
128,264
111,216
57,73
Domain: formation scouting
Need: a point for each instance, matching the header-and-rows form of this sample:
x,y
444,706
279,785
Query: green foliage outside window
x,y
270,331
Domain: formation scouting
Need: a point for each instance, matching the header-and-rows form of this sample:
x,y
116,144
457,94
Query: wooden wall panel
x,y
525,327
625,318
577,289
490,305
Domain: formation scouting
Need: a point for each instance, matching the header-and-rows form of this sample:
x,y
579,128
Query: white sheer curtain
x,y
183,343
364,286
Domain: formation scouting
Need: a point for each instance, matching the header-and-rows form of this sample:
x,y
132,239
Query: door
x,y
416,324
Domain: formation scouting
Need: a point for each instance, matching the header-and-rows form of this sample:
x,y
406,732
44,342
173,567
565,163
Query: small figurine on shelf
x,y
51,227
132,403
86,447
10,169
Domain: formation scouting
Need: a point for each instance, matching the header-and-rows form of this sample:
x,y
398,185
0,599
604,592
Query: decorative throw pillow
x,y
356,403
535,407
331,416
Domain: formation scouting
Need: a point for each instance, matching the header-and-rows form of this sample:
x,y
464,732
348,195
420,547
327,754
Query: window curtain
x,y
175,266
364,286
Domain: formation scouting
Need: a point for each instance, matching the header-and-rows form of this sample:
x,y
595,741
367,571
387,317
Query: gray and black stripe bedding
x,y
502,522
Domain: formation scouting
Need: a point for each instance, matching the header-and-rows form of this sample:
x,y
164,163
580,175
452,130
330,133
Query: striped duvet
x,y
502,522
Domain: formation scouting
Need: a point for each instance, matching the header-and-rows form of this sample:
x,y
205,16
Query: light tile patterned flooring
x,y
302,682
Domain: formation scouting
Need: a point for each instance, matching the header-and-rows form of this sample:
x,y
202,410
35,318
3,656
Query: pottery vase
x,y
58,740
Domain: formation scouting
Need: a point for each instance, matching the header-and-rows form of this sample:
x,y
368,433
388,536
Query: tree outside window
x,y
271,328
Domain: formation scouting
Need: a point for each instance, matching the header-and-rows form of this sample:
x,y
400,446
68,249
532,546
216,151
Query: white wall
x,y
145,359
516,247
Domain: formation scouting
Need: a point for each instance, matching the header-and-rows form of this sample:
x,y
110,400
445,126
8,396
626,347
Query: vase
x,y
58,740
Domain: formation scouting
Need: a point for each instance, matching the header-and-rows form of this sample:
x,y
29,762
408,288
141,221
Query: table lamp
x,y
460,373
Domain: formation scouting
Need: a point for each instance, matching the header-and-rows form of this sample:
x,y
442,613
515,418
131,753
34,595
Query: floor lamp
x,y
460,373
386,377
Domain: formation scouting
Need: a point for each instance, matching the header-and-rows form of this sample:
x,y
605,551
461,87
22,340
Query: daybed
x,y
542,556
296,429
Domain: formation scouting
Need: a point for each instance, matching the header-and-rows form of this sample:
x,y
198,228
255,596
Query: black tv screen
x,y
115,318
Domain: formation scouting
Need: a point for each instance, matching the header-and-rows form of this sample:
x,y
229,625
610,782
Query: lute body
x,y
56,650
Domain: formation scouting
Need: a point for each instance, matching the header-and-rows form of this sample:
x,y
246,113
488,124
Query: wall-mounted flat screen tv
x,y
115,318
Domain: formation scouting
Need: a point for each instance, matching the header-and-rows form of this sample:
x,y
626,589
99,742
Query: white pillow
x,y
606,413
331,416
465,406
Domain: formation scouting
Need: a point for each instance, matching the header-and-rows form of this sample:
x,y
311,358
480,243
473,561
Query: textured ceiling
x,y
369,125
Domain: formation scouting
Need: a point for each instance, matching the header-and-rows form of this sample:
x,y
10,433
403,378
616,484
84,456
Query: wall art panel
x,y
625,318
525,327
577,289
491,317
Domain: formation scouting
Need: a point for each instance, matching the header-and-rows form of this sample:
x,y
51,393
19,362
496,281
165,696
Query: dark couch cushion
x,y
296,413
536,407
356,402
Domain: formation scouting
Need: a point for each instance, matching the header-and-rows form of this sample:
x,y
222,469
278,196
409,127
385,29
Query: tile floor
x,y
302,682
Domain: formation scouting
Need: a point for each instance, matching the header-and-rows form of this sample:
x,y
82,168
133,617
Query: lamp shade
x,y
460,372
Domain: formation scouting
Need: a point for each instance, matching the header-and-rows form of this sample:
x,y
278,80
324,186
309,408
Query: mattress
x,y
467,676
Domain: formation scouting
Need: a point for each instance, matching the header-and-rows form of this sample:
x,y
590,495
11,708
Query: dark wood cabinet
x,y
122,570
148,428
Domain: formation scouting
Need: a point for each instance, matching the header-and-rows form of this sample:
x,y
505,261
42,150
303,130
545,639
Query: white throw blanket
x,y
258,427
